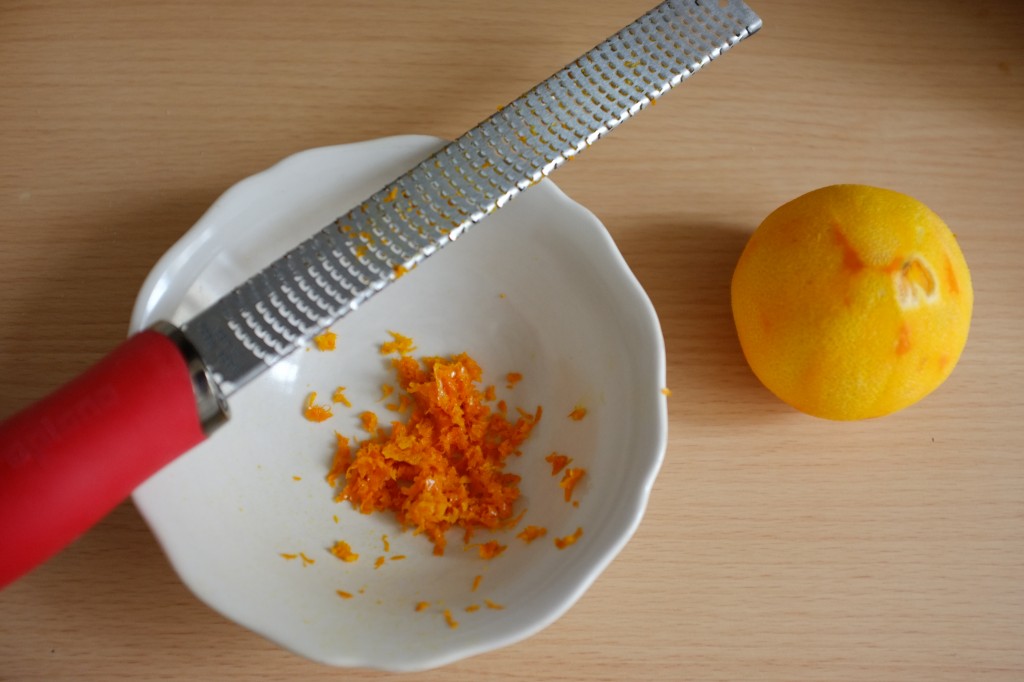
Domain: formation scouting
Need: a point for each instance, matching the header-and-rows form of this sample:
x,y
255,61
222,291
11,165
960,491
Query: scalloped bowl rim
x,y
175,290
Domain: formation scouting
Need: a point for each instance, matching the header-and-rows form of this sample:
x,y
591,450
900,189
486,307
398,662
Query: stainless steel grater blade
x,y
336,270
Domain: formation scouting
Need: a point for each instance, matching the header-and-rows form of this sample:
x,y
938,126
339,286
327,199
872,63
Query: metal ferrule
x,y
211,405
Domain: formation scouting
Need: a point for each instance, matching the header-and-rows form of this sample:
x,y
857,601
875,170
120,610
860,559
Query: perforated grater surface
x,y
336,270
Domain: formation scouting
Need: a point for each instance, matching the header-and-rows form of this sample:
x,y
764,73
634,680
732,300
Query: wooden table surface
x,y
776,546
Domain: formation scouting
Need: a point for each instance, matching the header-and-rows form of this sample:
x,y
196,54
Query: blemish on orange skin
x,y
917,272
894,266
954,284
915,283
851,260
943,362
903,341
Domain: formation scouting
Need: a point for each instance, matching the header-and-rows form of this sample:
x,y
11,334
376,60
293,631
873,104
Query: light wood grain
x,y
777,546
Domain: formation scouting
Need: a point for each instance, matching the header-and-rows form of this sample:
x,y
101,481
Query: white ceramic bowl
x,y
538,288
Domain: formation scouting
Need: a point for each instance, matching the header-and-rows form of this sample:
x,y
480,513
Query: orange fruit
x,y
852,302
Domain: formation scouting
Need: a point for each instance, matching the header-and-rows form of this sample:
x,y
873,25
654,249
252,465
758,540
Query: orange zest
x,y
342,458
343,594
314,412
400,344
570,479
562,543
306,561
578,413
513,378
557,462
531,533
492,549
339,397
326,341
445,465
342,550
369,420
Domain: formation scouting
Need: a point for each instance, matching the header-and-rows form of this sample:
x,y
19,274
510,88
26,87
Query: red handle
x,y
69,459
